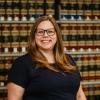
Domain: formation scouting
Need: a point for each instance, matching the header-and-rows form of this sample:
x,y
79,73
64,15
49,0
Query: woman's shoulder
x,y
25,58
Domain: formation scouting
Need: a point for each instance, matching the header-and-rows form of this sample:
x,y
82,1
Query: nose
x,y
45,33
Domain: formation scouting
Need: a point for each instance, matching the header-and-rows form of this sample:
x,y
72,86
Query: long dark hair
x,y
61,59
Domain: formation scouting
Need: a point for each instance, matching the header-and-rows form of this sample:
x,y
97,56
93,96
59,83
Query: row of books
x,y
34,5
30,10
64,27
92,91
79,27
21,46
69,1
28,17
66,37
15,47
79,37
69,37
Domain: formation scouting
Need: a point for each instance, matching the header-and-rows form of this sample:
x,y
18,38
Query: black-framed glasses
x,y
41,32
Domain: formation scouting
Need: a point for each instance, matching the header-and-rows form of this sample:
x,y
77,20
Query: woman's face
x,y
45,36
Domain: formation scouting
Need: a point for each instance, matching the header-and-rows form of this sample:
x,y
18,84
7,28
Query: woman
x,y
45,72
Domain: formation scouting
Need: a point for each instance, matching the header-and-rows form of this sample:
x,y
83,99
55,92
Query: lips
x,y
45,41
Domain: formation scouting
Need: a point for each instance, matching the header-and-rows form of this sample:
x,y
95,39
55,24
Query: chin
x,y
46,48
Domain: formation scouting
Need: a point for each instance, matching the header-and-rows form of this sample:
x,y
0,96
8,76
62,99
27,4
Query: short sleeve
x,y
18,73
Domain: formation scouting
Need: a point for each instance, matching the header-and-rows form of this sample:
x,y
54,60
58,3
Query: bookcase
x,y
79,21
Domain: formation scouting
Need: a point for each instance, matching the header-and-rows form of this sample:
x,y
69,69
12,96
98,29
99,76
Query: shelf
x,y
16,22
73,53
11,54
61,21
84,52
3,88
91,83
90,22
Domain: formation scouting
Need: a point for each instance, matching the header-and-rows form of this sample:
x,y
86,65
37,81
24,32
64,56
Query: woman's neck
x,y
49,56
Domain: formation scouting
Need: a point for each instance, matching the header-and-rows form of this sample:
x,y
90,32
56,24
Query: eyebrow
x,y
45,29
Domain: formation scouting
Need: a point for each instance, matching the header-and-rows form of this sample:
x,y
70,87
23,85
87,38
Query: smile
x,y
45,41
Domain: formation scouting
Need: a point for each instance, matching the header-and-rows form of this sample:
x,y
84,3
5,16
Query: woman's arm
x,y
15,92
80,94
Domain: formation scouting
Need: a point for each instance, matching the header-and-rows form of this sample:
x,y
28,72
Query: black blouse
x,y
41,83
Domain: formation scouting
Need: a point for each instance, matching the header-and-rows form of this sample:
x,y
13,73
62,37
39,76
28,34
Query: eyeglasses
x,y
41,32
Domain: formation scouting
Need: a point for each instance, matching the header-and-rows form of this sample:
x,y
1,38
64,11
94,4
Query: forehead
x,y
45,25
